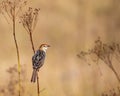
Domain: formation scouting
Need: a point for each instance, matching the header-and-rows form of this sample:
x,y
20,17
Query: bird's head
x,y
44,47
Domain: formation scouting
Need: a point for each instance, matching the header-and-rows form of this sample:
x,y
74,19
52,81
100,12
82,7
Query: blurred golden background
x,y
69,26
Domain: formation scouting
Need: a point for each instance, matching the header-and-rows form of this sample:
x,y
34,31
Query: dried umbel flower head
x,y
12,7
104,52
29,19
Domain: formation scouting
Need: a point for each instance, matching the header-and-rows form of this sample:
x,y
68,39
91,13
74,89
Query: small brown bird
x,y
38,60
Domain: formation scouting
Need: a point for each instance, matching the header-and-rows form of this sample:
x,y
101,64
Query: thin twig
x,y
38,88
31,39
5,18
17,49
97,62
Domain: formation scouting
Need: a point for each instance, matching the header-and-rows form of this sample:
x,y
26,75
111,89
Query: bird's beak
x,y
48,46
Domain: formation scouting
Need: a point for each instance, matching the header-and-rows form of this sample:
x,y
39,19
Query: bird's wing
x,y
38,58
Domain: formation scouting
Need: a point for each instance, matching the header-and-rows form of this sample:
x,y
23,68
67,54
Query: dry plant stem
x,y
17,49
99,66
114,71
116,74
31,39
110,65
33,48
29,20
38,90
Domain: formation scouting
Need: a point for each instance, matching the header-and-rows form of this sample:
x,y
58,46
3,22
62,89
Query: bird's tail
x,y
34,75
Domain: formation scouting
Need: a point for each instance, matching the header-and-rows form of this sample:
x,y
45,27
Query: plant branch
x,y
105,53
31,39
38,87
17,49
29,20
114,71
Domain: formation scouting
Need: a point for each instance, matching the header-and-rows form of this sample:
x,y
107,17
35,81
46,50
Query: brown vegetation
x,y
29,20
105,52
12,9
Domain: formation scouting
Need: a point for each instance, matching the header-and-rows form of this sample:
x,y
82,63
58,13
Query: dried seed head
x,y
9,6
29,19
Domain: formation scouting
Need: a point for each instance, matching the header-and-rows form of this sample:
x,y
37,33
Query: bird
x,y
38,60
